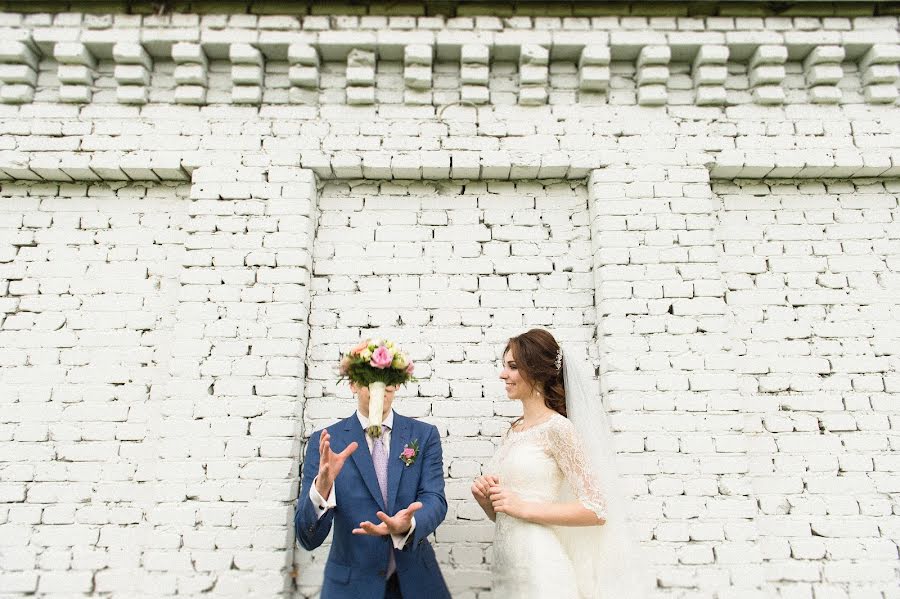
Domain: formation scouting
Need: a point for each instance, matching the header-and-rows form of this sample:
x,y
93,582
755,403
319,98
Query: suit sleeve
x,y
431,491
311,530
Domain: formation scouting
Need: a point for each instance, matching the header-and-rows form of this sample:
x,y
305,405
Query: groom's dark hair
x,y
535,353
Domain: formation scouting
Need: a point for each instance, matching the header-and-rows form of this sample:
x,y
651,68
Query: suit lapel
x,y
362,457
399,438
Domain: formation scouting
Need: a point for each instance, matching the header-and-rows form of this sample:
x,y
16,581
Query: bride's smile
x,y
512,378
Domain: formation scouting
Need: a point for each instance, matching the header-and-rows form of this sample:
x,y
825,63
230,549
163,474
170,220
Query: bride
x,y
551,488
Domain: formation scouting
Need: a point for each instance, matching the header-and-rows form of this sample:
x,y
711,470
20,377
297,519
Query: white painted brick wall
x,y
166,347
90,293
817,313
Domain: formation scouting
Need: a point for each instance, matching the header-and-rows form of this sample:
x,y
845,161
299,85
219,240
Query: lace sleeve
x,y
567,449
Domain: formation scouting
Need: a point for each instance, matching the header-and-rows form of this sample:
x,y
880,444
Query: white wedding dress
x,y
545,463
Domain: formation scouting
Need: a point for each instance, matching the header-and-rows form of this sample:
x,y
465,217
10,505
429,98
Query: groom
x,y
384,497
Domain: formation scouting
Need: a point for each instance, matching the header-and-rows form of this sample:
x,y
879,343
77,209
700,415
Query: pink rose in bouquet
x,y
409,368
381,357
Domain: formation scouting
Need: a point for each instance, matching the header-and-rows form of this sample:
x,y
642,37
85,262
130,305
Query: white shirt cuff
x,y
401,540
322,505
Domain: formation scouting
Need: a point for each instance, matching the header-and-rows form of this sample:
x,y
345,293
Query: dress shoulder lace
x,y
566,447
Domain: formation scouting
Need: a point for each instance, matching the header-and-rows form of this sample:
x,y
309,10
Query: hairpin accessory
x,y
558,359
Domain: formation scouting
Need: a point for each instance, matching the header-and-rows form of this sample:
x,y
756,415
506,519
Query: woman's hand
x,y
481,488
481,491
506,502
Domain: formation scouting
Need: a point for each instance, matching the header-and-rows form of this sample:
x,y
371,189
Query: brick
x,y
475,94
768,55
824,55
246,94
534,55
190,94
710,75
132,53
533,75
880,54
654,55
246,74
474,54
360,75
593,78
17,52
407,166
361,58
303,54
824,74
75,74
16,93
825,94
18,73
709,54
190,74
418,54
131,94
474,74
532,96
880,73
74,53
131,74
435,165
189,53
880,94
593,56
245,54
417,76
464,165
652,95
767,75
360,95
650,75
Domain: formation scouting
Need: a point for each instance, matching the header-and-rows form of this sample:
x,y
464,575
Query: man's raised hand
x,y
398,524
330,463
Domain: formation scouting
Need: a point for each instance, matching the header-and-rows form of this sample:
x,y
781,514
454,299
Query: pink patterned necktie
x,y
380,461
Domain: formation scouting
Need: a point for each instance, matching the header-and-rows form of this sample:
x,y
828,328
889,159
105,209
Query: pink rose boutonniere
x,y
410,452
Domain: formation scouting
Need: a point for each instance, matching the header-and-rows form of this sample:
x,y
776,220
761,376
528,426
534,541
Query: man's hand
x,y
390,525
330,463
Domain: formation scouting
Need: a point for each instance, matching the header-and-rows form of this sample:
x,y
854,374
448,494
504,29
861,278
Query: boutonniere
x,y
410,452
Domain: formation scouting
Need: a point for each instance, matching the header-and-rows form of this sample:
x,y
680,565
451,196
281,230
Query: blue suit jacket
x,y
356,565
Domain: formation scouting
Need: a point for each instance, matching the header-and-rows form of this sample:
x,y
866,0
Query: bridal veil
x,y
607,560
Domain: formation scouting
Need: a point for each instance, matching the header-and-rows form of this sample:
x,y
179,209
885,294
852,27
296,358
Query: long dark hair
x,y
535,355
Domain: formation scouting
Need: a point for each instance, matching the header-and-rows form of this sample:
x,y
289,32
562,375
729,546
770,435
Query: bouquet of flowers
x,y
376,363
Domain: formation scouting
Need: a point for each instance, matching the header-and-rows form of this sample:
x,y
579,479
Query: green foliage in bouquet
x,y
364,375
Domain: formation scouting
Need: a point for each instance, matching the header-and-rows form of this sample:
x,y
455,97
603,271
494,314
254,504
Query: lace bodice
x,y
536,462
545,463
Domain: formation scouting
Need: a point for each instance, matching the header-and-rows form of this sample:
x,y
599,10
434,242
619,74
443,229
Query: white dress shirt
x,y
323,505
